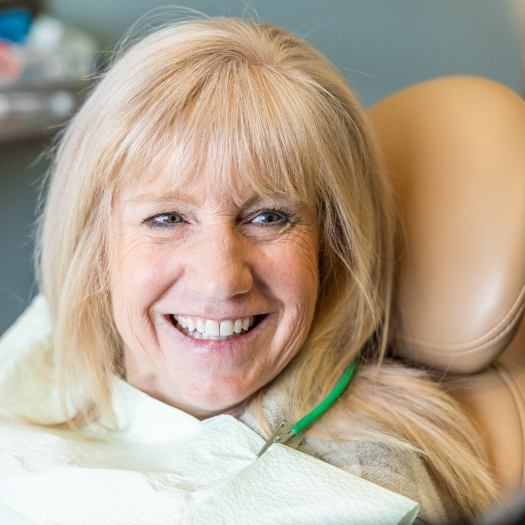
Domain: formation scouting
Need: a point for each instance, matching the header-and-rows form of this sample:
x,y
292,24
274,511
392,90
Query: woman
x,y
218,231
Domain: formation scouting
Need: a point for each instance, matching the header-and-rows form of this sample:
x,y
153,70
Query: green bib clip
x,y
282,436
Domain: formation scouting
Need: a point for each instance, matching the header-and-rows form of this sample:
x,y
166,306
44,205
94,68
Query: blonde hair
x,y
224,97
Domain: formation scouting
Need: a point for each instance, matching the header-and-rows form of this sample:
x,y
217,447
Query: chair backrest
x,y
456,150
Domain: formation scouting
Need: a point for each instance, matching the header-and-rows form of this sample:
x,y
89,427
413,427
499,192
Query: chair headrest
x,y
456,151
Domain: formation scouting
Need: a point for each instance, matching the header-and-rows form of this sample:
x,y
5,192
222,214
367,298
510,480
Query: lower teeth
x,y
197,335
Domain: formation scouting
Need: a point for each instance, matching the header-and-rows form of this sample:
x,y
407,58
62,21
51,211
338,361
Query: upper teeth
x,y
210,329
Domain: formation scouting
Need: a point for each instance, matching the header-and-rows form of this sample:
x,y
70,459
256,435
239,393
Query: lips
x,y
212,330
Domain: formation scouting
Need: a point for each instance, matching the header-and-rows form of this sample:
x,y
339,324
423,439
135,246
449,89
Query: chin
x,y
209,397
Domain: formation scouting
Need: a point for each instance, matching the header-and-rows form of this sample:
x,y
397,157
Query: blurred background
x,y
50,49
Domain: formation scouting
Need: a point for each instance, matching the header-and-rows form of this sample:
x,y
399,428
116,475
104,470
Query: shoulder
x,y
400,471
403,472
395,468
27,365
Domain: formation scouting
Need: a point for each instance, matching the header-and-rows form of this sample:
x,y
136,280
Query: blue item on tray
x,y
15,24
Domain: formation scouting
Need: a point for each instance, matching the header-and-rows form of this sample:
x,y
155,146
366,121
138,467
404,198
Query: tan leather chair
x,y
456,150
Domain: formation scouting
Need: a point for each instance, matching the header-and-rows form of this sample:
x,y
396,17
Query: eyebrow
x,y
156,198
180,196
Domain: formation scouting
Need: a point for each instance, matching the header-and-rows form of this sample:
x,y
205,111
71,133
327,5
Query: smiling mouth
x,y
211,330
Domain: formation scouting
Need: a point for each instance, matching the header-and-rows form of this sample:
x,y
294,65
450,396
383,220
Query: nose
x,y
218,268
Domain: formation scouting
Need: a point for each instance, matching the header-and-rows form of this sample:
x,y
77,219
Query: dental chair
x,y
455,148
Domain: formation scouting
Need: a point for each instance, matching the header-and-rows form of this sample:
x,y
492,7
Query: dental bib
x,y
162,466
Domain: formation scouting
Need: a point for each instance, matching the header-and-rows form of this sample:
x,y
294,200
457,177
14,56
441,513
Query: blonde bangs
x,y
241,125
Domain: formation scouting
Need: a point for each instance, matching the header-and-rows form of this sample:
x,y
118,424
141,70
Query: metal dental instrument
x,y
282,436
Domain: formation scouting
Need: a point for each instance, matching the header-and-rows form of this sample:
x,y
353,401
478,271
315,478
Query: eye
x,y
164,220
272,218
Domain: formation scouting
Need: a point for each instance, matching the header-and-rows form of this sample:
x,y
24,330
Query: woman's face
x,y
212,296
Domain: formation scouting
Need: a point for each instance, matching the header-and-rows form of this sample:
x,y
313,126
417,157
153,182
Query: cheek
x,y
290,270
140,273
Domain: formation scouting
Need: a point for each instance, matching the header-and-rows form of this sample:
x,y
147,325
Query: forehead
x,y
201,191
